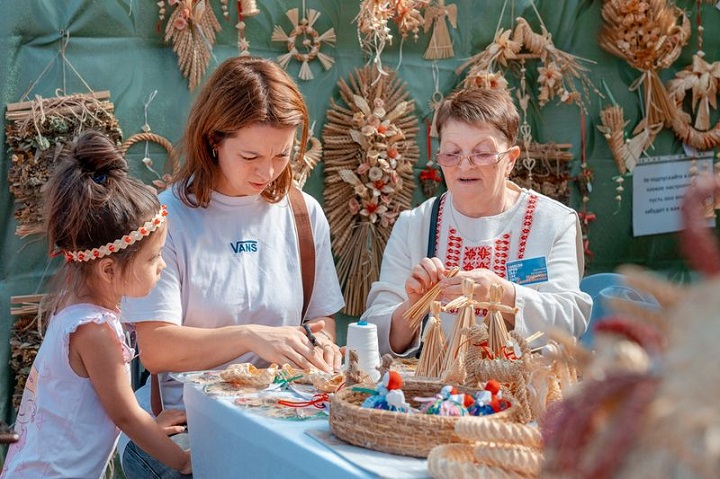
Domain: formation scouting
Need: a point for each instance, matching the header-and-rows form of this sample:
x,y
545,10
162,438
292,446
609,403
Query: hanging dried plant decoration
x,y
146,136
310,39
36,132
649,35
440,46
302,167
373,24
26,335
703,79
561,75
191,28
370,150
246,9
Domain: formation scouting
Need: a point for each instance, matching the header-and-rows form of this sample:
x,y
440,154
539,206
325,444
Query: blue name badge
x,y
527,271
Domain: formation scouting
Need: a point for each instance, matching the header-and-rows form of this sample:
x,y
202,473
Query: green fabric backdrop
x,y
114,46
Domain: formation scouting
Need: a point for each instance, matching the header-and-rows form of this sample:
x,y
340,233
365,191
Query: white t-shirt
x,y
235,262
64,429
534,227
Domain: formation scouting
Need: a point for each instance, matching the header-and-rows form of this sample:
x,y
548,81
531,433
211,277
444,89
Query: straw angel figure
x,y
440,42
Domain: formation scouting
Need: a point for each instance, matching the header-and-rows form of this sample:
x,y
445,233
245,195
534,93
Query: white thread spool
x,y
362,337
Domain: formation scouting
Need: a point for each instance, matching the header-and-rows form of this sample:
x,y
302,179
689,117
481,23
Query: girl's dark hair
x,y
90,201
241,92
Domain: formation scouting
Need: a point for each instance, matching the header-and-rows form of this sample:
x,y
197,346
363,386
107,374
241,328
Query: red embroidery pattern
x,y
527,224
476,257
491,257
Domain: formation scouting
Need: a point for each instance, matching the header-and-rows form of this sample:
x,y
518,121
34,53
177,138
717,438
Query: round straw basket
x,y
398,432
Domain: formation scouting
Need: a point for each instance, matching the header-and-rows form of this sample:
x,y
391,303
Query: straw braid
x,y
510,457
486,429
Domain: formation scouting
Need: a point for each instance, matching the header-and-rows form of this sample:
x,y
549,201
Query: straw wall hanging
x,y
370,150
649,35
36,131
191,28
310,40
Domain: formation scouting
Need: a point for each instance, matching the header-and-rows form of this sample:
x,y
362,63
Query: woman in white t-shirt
x,y
233,290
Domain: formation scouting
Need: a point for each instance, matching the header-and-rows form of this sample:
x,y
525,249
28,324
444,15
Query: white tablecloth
x,y
230,442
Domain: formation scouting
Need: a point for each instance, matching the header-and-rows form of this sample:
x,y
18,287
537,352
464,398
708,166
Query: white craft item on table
x,y
362,337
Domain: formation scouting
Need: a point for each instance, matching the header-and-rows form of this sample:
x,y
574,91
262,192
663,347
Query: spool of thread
x,y
362,337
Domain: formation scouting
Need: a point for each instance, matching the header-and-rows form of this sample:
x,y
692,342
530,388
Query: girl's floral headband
x,y
122,243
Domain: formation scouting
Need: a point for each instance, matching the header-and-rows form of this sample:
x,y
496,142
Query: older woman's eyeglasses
x,y
482,158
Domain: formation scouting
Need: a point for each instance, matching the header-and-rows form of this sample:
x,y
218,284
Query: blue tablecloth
x,y
231,442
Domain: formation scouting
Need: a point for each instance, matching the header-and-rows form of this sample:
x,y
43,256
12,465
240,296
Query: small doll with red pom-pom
x,y
449,402
489,400
389,395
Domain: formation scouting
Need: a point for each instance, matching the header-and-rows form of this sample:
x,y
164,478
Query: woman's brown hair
x,y
90,201
242,91
481,105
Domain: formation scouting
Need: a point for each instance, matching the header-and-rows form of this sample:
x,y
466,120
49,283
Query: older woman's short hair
x,y
476,106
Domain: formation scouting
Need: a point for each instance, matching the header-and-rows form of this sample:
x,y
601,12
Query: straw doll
x,y
434,347
465,320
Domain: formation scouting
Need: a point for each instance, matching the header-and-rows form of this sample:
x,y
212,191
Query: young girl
x,y
111,229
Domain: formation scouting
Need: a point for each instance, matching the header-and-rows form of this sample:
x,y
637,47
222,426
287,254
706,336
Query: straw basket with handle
x,y
399,432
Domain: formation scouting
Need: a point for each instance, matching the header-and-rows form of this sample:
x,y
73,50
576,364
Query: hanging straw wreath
x,y
36,132
311,41
302,167
370,151
703,79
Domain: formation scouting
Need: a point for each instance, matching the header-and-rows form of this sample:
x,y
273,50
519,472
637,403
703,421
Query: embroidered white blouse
x,y
535,226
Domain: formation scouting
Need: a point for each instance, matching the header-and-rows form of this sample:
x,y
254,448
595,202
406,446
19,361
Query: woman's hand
x,y
172,421
332,354
290,344
423,276
483,279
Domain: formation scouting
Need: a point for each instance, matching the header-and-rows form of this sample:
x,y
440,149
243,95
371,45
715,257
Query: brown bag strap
x,y
306,245
156,404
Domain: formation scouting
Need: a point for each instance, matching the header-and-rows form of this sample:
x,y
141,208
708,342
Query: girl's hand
x,y
187,468
423,276
172,421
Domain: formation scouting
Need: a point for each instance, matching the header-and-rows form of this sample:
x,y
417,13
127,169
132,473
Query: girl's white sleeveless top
x,y
64,429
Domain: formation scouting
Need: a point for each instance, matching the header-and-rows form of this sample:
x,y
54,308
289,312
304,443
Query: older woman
x,y
492,230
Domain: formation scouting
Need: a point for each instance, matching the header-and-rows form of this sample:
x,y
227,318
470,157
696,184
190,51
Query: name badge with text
x,y
527,271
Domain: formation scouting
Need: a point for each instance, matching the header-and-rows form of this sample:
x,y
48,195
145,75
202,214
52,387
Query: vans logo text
x,y
244,246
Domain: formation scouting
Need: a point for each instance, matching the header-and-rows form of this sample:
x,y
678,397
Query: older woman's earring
x,y
214,152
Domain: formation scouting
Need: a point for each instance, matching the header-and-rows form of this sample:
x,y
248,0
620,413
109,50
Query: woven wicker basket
x,y
397,432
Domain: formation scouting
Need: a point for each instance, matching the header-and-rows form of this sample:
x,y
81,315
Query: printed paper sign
x,y
658,190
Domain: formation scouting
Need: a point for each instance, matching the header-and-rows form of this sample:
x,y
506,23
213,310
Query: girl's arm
x,y
97,347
